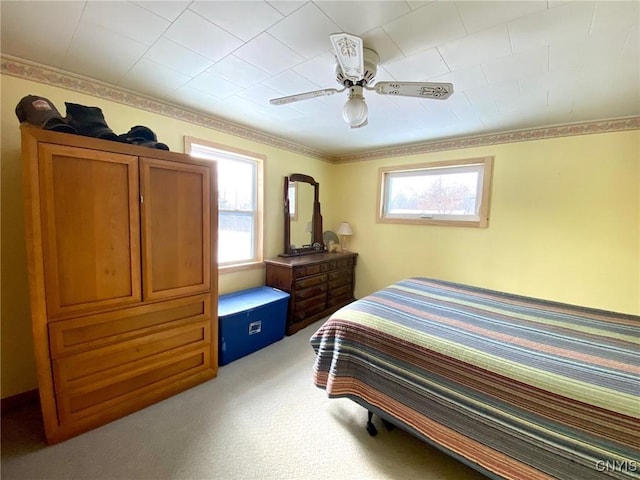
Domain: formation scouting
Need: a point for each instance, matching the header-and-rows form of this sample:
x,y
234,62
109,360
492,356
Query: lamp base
x,y
343,243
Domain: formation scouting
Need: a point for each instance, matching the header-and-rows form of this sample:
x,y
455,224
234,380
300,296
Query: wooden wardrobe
x,y
121,249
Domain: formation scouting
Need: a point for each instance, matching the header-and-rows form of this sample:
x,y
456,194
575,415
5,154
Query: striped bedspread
x,y
517,387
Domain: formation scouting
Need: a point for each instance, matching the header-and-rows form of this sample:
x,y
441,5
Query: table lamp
x,y
345,231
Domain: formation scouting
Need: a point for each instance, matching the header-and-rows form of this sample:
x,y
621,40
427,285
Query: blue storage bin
x,y
249,320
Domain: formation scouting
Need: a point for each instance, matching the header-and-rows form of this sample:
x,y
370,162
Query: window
x,y
293,201
240,198
439,193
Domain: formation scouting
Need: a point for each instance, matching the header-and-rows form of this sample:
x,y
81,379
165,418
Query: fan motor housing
x,y
371,60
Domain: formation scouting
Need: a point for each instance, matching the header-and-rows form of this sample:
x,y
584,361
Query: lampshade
x,y
345,229
355,111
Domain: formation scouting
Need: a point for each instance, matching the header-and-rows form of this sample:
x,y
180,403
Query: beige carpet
x,y
262,418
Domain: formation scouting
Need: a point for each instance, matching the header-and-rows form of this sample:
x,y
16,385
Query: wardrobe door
x,y
176,228
91,233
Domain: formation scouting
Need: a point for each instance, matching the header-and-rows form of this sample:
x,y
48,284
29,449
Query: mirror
x,y
302,218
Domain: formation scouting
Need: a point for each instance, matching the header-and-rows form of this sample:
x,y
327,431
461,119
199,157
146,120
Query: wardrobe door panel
x,y
91,233
176,228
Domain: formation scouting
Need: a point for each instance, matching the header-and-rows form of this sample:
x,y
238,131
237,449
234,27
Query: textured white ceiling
x,y
514,65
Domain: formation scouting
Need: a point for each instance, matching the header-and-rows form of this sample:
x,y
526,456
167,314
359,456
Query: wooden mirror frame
x,y
317,245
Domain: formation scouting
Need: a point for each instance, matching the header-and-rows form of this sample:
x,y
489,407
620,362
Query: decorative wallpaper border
x,y
20,68
566,130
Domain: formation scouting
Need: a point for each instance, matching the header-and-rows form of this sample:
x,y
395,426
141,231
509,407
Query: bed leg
x,y
388,425
371,428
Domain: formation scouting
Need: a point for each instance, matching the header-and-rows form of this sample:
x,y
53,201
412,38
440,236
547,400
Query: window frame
x,y
232,153
293,206
481,220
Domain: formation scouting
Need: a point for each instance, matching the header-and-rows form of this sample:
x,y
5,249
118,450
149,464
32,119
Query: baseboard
x,y
14,402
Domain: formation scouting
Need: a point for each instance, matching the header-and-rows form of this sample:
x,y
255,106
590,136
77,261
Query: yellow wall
x,y
564,219
564,223
17,364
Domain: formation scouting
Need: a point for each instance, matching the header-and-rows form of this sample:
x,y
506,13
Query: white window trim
x,y
225,151
481,220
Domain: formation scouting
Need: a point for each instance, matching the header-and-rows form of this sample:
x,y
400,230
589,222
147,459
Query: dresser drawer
x,y
318,284
339,299
340,291
311,281
340,263
312,291
306,270
339,282
305,304
309,311
340,278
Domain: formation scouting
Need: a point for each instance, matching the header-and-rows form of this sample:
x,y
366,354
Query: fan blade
x,y
439,91
349,52
304,96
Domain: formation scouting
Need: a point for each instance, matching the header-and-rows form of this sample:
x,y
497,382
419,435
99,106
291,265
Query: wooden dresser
x,y
122,279
319,284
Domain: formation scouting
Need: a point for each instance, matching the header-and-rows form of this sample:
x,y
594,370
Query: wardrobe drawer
x,y
117,360
125,390
77,335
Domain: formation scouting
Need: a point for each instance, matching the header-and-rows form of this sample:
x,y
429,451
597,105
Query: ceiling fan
x,y
356,68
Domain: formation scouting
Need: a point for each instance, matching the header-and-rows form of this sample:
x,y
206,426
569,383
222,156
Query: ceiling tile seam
x,y
244,42
149,47
443,60
63,60
593,18
630,38
395,44
325,15
20,68
215,25
214,61
510,37
123,35
464,25
143,6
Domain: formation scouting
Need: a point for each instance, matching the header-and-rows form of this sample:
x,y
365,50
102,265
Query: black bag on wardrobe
x,y
144,136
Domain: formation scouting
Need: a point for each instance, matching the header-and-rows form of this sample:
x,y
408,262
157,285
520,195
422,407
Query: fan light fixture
x,y
355,111
356,68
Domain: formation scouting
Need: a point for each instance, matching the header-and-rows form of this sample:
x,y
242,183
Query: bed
x,y
515,387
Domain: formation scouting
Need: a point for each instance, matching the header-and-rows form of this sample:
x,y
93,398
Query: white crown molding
x,y
20,68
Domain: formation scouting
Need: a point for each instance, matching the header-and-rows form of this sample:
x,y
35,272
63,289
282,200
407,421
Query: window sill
x,y
236,267
432,221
